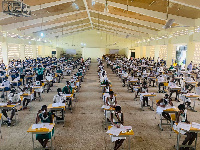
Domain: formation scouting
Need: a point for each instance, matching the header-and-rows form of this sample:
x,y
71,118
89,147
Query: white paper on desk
x,y
36,126
3,104
42,125
195,125
159,109
66,95
184,126
116,131
58,104
105,107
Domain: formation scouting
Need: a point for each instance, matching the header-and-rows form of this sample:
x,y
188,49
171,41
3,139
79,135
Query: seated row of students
x,y
181,117
46,117
115,117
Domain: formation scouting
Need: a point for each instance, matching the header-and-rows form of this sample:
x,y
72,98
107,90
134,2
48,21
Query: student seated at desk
x,y
59,99
111,100
106,89
171,68
161,79
13,98
171,84
68,90
182,117
189,87
144,89
117,119
38,90
124,77
152,74
163,103
60,74
44,117
6,84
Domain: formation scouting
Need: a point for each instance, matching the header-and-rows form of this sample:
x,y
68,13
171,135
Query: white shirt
x,y
6,83
58,99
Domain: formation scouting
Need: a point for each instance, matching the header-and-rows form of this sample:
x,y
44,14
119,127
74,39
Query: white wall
x,y
93,53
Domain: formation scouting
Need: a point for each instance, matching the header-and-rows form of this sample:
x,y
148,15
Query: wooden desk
x,y
126,134
170,110
192,96
69,96
147,95
0,124
10,107
41,131
178,146
59,108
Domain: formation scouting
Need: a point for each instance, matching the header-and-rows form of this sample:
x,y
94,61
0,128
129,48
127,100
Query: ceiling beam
x,y
151,13
60,34
139,29
37,29
188,3
38,7
86,6
141,22
120,34
128,32
65,28
37,21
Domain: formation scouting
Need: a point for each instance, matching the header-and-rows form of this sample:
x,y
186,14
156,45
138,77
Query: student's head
x,y
181,107
166,96
6,78
67,83
118,109
59,90
111,93
44,108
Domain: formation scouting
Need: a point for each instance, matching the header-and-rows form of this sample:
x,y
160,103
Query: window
x,y
13,51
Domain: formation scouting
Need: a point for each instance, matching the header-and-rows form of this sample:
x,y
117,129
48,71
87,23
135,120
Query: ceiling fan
x,y
169,22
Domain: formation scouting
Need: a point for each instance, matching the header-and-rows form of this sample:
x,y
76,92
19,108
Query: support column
x,y
148,51
22,52
144,51
170,48
5,51
157,50
141,51
190,50
34,51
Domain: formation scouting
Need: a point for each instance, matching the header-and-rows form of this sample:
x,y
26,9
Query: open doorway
x,y
181,51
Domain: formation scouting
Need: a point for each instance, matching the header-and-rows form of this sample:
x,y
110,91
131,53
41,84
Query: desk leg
x,y
142,105
178,140
71,105
33,141
51,142
196,142
0,128
193,107
105,119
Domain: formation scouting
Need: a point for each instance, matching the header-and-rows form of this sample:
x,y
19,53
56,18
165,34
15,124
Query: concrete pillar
x,y
148,51
22,52
157,50
170,48
141,51
190,50
34,51
5,51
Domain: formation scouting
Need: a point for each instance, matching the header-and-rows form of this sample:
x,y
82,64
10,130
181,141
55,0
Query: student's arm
x,y
170,102
38,117
158,103
113,122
